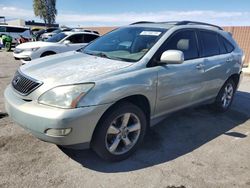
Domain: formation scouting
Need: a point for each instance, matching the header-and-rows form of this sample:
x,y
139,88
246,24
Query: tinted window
x,y
210,46
15,29
228,45
50,29
2,29
78,38
57,37
184,41
88,37
223,49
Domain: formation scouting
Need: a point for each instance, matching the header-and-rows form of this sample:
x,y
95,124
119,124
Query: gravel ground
x,y
191,148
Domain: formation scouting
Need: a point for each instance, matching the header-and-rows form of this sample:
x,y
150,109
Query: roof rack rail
x,y
141,22
200,23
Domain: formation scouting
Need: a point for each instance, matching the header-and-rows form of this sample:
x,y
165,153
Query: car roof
x,y
171,24
79,32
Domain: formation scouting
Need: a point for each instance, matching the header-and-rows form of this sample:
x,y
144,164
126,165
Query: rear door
x,y
216,59
179,85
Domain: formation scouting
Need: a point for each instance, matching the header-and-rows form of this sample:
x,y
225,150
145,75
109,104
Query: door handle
x,y
229,60
200,66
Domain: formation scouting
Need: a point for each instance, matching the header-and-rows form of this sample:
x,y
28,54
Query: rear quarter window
x,y
228,45
223,49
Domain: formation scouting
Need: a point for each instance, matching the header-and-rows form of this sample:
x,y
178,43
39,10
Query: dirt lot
x,y
192,148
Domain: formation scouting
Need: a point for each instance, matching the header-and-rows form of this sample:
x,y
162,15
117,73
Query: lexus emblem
x,y
16,80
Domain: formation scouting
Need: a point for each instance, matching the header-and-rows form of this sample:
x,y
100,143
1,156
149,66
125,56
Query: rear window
x,y
57,37
209,43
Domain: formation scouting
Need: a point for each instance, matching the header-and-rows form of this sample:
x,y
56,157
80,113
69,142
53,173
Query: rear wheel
x,y
225,97
119,132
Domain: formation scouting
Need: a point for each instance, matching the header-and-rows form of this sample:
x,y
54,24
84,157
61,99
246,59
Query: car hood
x,y
37,44
71,67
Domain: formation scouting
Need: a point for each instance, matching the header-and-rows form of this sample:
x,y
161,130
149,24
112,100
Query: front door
x,y
180,85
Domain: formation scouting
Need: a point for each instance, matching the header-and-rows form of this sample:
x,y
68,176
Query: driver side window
x,y
184,41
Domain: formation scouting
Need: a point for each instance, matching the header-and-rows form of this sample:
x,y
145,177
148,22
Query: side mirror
x,y
66,42
172,57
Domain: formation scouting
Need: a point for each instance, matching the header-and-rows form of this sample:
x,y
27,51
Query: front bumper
x,y
25,55
37,118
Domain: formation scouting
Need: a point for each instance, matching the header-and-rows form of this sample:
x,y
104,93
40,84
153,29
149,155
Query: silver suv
x,y
106,95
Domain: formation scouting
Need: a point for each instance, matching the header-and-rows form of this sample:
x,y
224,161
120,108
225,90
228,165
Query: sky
x,y
122,12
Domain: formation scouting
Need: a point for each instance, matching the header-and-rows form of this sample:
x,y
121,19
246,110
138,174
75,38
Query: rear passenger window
x,y
184,41
209,42
88,38
77,38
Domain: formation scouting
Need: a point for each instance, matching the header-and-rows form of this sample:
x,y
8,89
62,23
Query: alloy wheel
x,y
123,133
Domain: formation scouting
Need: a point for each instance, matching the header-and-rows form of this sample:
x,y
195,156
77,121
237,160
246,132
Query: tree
x,y
46,10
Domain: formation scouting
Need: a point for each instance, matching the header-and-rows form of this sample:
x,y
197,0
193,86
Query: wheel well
x,y
47,53
139,100
235,78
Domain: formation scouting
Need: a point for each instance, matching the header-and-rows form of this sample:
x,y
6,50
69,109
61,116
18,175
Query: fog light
x,y
58,132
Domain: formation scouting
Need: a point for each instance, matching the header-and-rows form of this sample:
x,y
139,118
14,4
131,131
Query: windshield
x,y
57,31
56,38
127,44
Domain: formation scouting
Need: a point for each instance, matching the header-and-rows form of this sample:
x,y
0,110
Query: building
x,y
32,24
242,35
2,20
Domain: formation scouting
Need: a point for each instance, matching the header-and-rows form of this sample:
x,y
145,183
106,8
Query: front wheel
x,y
119,132
225,97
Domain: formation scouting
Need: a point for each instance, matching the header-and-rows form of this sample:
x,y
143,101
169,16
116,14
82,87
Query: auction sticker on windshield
x,y
151,33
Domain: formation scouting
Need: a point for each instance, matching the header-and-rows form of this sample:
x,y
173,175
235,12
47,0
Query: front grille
x,y
23,84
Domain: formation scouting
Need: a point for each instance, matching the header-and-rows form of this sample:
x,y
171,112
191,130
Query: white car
x,y
61,42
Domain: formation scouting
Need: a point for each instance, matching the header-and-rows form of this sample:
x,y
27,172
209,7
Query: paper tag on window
x,y
151,33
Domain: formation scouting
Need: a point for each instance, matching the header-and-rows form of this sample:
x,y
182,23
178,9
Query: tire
x,y
7,46
225,96
115,138
47,54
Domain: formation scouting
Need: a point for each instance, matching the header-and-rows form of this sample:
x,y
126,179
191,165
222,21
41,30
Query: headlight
x,y
65,96
31,49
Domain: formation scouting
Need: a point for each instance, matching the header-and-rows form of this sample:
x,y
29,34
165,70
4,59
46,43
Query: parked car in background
x,y
39,33
61,42
47,35
107,95
13,31
84,30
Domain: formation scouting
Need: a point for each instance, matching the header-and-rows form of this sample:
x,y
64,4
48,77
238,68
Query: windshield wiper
x,y
104,55
101,54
